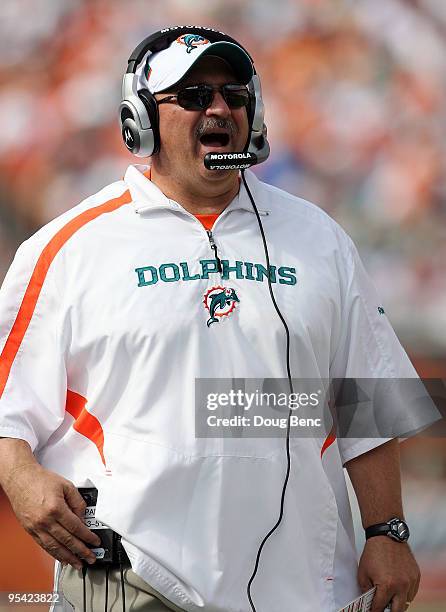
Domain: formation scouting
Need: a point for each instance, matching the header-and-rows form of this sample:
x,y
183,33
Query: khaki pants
x,y
139,596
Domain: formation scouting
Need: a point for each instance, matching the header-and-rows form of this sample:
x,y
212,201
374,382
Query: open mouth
x,y
215,139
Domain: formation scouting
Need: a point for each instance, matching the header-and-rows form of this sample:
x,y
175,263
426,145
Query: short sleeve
x,y
367,347
32,367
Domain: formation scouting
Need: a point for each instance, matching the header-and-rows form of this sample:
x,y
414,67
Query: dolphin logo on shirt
x,y
223,299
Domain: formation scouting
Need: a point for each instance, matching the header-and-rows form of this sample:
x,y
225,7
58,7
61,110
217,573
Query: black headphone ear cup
x,y
130,135
251,110
151,106
136,131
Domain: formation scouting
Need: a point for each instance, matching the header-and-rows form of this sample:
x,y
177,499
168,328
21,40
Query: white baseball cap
x,y
159,71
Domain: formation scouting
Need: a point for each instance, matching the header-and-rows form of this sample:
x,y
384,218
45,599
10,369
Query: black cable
x,y
122,586
107,570
288,367
84,586
120,555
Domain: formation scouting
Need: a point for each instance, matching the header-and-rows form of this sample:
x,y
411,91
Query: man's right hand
x,y
50,509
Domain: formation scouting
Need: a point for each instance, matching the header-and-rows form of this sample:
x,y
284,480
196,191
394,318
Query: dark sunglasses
x,y
200,97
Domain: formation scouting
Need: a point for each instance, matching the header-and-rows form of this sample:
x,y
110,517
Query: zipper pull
x,y
214,248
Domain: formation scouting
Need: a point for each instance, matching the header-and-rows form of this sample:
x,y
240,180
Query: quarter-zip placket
x,y
171,204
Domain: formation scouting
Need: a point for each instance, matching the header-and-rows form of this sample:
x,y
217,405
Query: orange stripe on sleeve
x,y
331,437
38,277
85,423
329,440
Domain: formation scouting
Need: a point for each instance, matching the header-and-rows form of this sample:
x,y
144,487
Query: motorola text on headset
x,y
139,121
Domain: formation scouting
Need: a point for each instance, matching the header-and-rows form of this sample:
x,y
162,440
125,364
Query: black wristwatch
x,y
396,529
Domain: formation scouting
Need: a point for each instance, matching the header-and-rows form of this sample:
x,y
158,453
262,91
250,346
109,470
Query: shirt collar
x,y
146,196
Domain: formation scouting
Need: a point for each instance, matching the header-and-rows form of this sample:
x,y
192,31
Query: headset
x,y
138,111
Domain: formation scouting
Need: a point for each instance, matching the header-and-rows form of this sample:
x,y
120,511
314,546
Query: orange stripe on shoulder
x,y
85,423
38,277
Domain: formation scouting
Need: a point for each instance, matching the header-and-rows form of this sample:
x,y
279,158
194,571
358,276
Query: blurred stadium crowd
x,y
355,97
356,110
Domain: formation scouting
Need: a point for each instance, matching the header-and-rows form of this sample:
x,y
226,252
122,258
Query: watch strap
x,y
377,530
395,528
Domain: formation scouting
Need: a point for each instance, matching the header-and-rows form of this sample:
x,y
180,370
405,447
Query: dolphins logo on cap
x,y
192,41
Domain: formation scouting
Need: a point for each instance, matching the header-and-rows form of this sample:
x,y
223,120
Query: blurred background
x,y
355,95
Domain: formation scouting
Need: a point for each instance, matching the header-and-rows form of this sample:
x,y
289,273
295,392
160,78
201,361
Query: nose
x,y
218,107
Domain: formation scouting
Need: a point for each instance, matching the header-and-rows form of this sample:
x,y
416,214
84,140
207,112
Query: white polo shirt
x,y
105,324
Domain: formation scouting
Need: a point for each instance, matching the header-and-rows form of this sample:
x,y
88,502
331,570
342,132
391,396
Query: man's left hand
x,y
391,567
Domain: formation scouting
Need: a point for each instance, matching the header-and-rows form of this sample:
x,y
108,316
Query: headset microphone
x,y
230,161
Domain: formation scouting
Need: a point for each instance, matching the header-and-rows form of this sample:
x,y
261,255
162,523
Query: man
x,y
111,312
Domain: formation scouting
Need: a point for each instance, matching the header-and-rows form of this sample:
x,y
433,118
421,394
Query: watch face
x,y
399,530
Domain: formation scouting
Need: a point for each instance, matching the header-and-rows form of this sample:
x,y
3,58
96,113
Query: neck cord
x,y
120,555
107,570
84,586
122,587
288,367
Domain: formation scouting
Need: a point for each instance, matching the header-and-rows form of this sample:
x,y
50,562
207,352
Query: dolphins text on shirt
x,y
172,272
